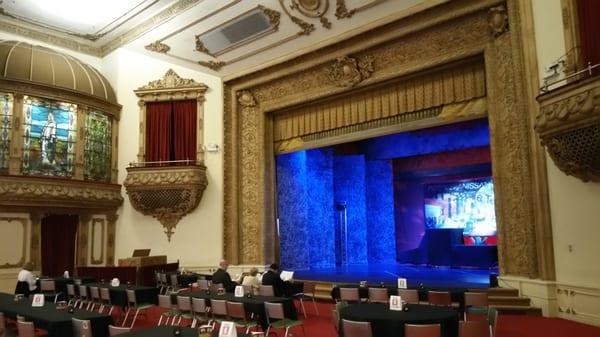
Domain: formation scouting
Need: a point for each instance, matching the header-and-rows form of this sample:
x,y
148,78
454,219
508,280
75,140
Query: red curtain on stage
x,y
158,131
184,122
589,31
58,244
170,131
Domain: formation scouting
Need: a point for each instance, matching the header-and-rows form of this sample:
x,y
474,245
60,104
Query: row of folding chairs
x,y
88,297
479,328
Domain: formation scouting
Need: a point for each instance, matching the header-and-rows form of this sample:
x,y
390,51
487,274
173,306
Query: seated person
x,y
272,278
223,277
252,280
26,282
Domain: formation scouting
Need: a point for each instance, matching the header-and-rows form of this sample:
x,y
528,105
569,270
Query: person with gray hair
x,y
252,280
222,276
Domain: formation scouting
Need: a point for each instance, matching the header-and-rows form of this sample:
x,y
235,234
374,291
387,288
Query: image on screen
x,y
463,204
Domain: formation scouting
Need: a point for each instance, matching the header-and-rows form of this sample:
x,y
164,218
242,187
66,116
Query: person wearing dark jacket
x,y
272,278
223,277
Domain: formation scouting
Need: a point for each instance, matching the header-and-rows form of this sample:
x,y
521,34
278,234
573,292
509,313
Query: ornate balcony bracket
x,y
568,125
167,192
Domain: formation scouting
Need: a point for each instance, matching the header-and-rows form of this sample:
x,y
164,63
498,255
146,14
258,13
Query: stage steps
x,y
506,300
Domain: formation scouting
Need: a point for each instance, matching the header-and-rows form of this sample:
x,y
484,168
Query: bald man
x,y
223,277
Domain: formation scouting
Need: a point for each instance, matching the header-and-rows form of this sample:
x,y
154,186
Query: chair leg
x,y
286,331
315,306
137,311
126,315
302,305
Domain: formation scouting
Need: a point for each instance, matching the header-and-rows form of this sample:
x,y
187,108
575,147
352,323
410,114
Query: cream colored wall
x,y
15,230
573,203
198,238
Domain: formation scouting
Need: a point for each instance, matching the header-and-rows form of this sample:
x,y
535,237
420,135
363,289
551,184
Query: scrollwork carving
x,y
246,99
273,16
158,47
171,81
347,71
341,11
214,65
498,20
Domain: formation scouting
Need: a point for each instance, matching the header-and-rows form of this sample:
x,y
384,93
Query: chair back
x,y
105,294
164,301
163,278
116,330
308,288
476,299
409,295
215,287
479,328
378,295
83,292
25,329
81,328
203,284
349,294
184,303
218,307
47,285
422,330
131,296
266,291
199,305
274,310
174,281
95,293
236,310
441,298
356,329
71,290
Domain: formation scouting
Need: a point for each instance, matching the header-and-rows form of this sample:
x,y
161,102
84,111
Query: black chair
x,y
22,288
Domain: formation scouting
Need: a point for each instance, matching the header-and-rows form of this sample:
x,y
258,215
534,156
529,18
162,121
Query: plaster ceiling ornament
x,y
273,15
341,11
200,45
347,71
312,9
498,20
169,81
158,47
214,65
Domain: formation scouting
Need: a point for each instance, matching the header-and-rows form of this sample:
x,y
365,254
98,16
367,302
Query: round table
x,y
385,322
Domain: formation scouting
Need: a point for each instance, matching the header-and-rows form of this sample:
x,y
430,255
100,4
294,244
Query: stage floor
x,y
431,277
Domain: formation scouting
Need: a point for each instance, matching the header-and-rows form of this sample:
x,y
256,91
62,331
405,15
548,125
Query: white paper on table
x,y
395,303
239,291
402,284
38,300
287,275
227,329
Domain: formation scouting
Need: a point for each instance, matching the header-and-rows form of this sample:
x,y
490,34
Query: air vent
x,y
239,31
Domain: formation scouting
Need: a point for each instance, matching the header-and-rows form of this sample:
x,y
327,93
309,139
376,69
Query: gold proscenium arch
x,y
457,61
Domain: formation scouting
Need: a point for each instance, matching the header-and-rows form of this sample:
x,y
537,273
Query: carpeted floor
x,y
508,325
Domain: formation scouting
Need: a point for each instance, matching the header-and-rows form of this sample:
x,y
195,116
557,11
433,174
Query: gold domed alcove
x,y
58,127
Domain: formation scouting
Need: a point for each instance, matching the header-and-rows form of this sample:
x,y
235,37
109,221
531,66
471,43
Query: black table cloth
x,y
456,294
254,304
167,331
56,321
118,295
385,322
184,280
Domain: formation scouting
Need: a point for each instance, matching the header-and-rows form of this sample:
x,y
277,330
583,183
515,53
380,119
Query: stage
x,y
430,277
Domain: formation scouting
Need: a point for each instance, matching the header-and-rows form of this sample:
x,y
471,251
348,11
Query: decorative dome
x,y
23,62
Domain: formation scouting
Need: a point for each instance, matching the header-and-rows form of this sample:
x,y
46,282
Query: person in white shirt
x,y
25,275
252,280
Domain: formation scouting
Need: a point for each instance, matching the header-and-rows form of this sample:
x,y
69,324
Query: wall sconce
x,y
211,147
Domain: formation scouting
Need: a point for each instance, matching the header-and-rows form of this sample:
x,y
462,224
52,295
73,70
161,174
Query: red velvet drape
x,y
589,30
184,124
58,244
158,131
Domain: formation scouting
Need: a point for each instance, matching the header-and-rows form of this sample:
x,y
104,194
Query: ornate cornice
x,y
34,191
568,124
166,193
171,87
171,81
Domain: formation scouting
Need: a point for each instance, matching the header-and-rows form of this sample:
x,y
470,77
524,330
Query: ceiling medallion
x,y
214,65
498,20
158,47
306,27
313,9
347,71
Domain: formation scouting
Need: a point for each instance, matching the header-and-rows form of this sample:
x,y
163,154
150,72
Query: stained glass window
x,y
97,146
5,128
50,134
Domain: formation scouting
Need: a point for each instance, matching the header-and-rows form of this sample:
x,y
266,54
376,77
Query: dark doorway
x,y
58,243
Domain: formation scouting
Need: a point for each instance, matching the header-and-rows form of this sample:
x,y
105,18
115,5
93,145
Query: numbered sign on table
x,y
402,284
227,330
38,300
395,303
239,291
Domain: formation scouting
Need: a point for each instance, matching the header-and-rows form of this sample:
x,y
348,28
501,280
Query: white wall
x,y
198,238
573,203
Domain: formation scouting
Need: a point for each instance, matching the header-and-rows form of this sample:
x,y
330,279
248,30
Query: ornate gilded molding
x,y
34,191
341,11
214,65
246,99
312,9
166,193
102,223
21,261
170,81
273,16
348,72
498,20
158,47
568,124
199,46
